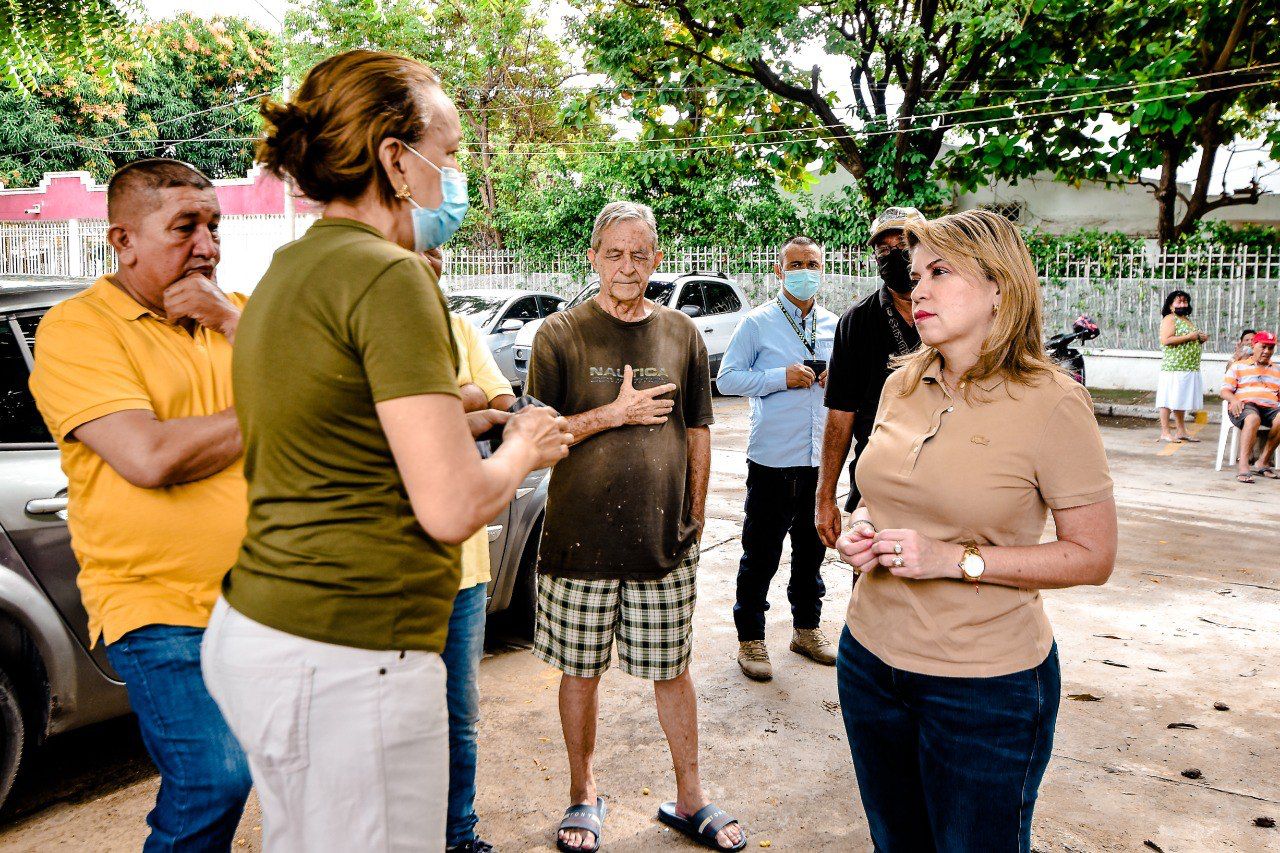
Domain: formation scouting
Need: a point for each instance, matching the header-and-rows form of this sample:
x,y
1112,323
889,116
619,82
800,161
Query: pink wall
x,y
74,195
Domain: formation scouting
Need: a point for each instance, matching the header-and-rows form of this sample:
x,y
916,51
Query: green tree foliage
x,y
495,60
728,68
198,80
708,200
1223,57
43,37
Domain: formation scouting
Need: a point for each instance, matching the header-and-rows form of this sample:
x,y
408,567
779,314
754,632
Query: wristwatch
x,y
971,564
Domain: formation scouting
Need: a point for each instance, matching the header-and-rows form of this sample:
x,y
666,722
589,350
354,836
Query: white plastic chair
x,y
1229,430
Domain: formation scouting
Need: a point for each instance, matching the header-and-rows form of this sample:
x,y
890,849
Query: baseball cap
x,y
1260,338
893,219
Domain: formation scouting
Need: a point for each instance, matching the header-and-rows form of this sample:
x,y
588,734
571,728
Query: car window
x,y
20,421
549,305
477,309
657,291
691,294
523,309
720,298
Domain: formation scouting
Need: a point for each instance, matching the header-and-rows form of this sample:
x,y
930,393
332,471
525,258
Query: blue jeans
x,y
204,776
949,764
462,652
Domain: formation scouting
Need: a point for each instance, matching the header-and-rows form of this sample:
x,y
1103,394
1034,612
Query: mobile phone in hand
x,y
493,435
817,365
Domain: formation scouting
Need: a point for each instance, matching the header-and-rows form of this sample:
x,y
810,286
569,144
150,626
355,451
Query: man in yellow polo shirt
x,y
483,387
133,378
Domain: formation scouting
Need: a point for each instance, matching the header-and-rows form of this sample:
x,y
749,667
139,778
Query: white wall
x,y
1139,370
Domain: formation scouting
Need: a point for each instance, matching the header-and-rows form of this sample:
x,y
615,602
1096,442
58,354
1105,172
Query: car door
x,y
501,344
33,489
548,305
723,313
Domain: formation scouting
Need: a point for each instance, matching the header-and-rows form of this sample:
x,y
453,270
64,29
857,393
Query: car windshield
x,y
476,308
657,291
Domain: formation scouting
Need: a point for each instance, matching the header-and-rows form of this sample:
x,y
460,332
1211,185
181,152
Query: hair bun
x,y
283,150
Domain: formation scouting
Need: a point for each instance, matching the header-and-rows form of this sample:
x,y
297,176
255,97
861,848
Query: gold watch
x,y
971,564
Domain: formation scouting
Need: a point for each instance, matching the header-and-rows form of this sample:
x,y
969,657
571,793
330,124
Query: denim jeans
x,y
780,502
462,652
204,777
947,764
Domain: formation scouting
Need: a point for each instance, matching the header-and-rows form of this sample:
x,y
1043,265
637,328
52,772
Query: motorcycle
x,y
1062,352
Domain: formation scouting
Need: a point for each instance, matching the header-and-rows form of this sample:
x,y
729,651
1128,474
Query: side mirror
x,y
691,310
510,326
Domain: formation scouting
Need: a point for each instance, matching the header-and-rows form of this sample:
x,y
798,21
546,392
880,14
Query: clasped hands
x,y
905,553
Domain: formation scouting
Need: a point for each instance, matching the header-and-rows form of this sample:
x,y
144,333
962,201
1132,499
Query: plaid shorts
x,y
652,620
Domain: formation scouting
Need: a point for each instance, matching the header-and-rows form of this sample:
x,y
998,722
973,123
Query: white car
x,y
714,301
500,315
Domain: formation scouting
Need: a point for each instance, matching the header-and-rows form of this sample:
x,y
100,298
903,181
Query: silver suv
x,y
50,680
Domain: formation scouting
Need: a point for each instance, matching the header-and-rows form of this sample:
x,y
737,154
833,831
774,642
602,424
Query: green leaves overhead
x,y
42,37
730,74
1178,88
196,79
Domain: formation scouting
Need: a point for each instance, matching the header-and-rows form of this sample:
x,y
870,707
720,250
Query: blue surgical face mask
x,y
432,227
802,284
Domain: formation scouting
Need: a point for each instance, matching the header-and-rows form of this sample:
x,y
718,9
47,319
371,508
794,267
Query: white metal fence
x,y
1230,288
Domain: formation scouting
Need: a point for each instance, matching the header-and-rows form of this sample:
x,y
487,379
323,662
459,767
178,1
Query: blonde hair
x,y
982,244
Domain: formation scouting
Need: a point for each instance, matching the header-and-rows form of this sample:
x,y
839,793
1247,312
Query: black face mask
x,y
1182,311
895,270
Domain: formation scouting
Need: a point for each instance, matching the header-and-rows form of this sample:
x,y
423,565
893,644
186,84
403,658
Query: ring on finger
x,y
897,548
897,562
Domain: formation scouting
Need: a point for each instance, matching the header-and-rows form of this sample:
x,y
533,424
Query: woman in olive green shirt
x,y
324,653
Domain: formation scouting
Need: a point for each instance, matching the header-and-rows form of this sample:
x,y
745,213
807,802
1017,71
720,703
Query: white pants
x,y
349,748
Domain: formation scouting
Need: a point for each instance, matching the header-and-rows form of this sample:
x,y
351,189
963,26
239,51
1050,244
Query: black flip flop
x,y
584,817
703,825
1245,478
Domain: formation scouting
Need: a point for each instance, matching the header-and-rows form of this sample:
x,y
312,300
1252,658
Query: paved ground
x,y
1188,619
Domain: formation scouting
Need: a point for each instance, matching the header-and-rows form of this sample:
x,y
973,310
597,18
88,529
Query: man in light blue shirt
x,y
778,357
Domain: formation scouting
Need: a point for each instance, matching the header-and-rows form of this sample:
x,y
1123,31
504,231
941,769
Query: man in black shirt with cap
x,y
870,333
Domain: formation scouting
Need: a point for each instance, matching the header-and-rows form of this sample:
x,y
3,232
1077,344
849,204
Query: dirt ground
x,y
1189,619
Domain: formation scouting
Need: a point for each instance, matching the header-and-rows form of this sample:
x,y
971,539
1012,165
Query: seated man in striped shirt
x,y
1252,392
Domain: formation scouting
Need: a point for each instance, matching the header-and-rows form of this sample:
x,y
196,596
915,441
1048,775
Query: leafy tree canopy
x,y
198,80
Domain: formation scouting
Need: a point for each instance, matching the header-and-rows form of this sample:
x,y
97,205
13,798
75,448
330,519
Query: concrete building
x,y
1058,208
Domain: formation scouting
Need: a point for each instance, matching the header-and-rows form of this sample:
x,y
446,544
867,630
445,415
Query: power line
x,y
797,135
117,134
964,111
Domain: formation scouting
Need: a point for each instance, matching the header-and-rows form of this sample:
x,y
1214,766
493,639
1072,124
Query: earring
x,y
403,192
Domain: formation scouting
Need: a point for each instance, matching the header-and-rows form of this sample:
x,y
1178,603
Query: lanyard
x,y
811,342
895,324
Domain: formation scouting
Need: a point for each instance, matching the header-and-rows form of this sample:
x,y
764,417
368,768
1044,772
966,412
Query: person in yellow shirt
x,y
482,386
133,379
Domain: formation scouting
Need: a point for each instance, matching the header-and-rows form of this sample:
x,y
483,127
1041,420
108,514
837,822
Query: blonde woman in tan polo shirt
x,y
948,671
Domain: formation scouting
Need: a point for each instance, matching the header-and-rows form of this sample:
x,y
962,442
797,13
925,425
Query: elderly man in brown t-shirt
x,y
619,548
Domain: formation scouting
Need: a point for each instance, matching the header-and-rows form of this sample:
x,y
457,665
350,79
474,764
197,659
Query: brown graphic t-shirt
x,y
619,506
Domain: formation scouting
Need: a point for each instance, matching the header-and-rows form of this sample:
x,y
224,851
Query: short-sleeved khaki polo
x,y
985,469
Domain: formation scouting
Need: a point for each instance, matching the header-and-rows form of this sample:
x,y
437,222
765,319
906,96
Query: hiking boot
x,y
813,644
753,657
